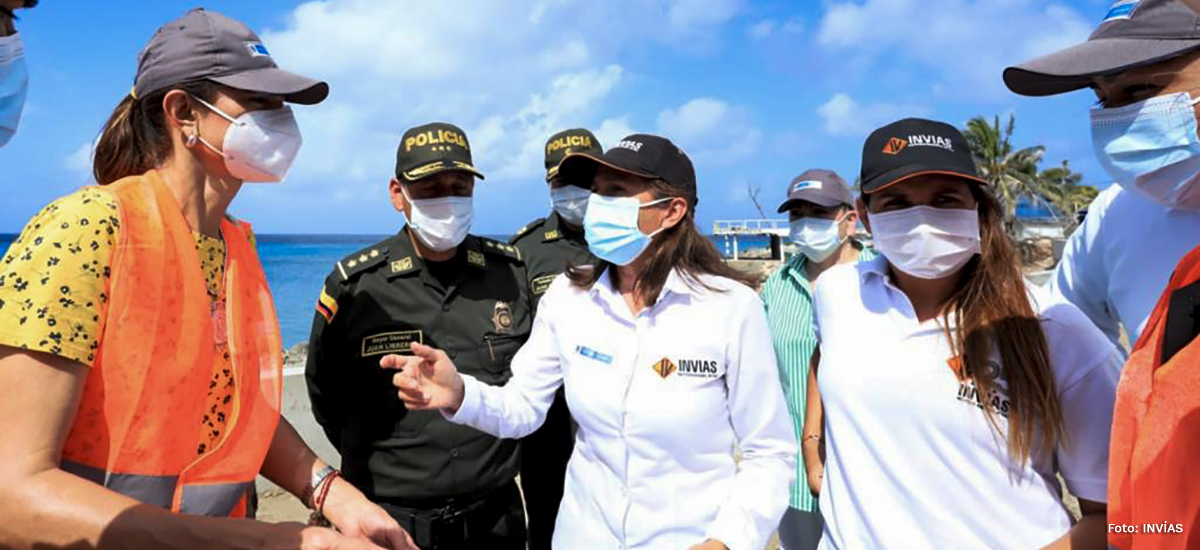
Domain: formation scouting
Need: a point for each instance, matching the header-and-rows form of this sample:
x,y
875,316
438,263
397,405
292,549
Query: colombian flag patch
x,y
326,306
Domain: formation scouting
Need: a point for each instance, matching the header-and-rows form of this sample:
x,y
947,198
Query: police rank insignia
x,y
402,265
502,319
664,367
475,258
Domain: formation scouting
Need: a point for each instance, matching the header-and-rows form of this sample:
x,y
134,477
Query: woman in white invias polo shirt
x,y
952,395
667,365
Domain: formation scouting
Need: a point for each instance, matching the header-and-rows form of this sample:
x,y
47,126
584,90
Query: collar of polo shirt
x,y
675,284
876,267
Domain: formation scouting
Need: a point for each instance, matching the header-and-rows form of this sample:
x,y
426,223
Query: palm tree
x,y
1013,173
1062,190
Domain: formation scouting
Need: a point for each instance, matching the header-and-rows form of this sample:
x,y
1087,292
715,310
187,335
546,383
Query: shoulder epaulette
x,y
529,227
498,248
360,261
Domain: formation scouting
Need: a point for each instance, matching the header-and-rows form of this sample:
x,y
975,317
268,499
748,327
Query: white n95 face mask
x,y
14,85
259,146
816,238
571,202
927,242
440,223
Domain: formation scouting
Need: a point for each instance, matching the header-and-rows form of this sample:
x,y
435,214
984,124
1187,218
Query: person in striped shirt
x,y
823,220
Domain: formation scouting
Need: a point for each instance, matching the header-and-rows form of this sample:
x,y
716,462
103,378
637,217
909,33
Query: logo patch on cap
x,y
894,146
1121,9
814,184
257,49
634,146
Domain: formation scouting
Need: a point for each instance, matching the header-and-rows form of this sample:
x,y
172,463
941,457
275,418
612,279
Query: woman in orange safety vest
x,y
140,354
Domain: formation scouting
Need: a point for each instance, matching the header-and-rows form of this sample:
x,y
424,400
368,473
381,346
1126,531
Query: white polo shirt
x,y
1117,264
661,400
911,461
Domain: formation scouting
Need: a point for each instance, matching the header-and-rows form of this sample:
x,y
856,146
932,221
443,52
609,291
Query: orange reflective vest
x,y
139,423
1154,462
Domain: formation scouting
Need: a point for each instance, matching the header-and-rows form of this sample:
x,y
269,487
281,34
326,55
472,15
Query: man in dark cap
x,y
433,283
548,245
1143,63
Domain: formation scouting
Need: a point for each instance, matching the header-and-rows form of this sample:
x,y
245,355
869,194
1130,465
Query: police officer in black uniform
x,y
547,245
450,486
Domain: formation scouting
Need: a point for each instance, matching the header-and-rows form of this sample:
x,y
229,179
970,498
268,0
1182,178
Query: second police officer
x,y
450,486
547,246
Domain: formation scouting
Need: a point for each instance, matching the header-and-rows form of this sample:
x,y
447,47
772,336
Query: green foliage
x,y
1016,175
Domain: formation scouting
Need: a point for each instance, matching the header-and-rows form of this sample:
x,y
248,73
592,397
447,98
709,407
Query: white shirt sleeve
x,y
1087,409
519,407
1081,277
763,427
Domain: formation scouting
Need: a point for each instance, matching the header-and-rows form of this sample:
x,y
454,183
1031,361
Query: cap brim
x,y
427,170
908,172
815,198
1074,68
292,87
582,166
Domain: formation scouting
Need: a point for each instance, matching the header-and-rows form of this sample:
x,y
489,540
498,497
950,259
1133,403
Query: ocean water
x,y
296,267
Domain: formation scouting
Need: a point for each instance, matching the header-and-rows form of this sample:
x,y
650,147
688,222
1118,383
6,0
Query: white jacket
x,y
661,400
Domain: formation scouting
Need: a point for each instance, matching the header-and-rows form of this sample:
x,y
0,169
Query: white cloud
x,y
511,73
689,19
842,116
612,130
712,131
769,27
762,29
966,43
544,114
79,163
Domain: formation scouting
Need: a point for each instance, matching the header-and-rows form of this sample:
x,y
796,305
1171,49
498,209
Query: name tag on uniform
x,y
593,354
542,284
391,342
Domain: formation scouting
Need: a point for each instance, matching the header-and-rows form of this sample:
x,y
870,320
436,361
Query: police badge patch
x,y
502,319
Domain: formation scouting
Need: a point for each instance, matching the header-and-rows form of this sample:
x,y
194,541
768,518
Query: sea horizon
x,y
296,265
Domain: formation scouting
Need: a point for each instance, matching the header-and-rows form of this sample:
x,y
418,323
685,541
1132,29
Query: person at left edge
x,y
450,486
140,354
14,78
548,245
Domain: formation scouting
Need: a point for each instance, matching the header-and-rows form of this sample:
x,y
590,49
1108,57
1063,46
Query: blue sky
x,y
756,92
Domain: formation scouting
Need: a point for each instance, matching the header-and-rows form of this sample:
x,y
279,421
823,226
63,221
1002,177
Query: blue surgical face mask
x,y
1151,148
817,238
570,202
14,84
611,228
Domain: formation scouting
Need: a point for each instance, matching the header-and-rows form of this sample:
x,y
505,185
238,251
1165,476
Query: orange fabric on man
x,y
1154,473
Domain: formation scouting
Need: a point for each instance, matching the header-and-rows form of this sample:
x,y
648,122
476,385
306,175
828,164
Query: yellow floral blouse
x,y
54,284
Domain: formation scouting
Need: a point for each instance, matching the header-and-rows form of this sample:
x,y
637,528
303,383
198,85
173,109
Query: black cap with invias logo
x,y
644,155
914,147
